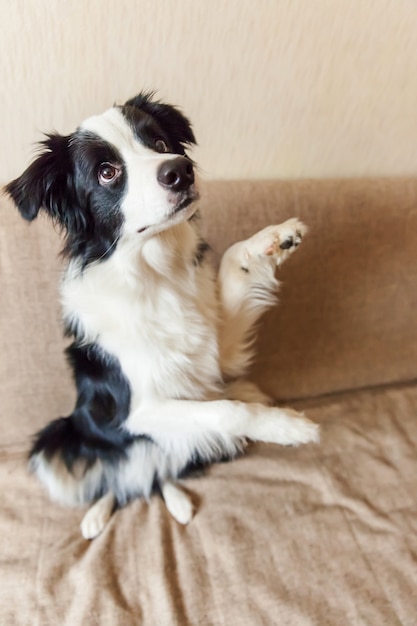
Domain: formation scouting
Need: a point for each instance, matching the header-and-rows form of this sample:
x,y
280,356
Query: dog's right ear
x,y
44,184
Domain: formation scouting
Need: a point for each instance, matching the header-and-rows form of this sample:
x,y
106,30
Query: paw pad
x,y
288,243
291,242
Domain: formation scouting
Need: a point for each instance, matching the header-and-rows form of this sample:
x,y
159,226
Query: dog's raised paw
x,y
283,238
276,242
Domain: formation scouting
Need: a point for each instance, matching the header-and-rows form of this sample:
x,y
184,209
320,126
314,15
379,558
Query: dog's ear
x,y
46,183
169,118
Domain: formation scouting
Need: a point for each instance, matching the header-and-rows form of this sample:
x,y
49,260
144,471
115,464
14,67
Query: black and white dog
x,y
161,345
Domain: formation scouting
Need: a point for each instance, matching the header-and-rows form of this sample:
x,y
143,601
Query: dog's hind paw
x,y
177,502
97,517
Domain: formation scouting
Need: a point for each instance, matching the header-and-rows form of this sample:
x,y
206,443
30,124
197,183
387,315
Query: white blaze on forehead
x,y
112,127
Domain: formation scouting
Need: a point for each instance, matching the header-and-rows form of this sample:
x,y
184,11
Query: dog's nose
x,y
176,174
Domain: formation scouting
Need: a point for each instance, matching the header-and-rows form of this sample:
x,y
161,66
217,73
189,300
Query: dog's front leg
x,y
247,287
172,418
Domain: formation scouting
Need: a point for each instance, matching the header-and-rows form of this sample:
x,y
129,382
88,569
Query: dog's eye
x,y
161,145
107,173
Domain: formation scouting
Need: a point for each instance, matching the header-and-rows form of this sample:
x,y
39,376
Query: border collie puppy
x,y
161,344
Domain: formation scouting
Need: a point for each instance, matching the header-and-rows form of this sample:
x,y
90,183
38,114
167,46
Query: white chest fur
x,y
155,311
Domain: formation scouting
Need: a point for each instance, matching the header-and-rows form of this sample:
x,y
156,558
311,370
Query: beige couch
x,y
317,535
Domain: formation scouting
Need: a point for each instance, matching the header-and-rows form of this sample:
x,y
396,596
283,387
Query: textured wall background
x,y
275,88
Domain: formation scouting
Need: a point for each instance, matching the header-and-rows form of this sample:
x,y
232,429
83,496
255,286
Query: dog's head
x,y
123,173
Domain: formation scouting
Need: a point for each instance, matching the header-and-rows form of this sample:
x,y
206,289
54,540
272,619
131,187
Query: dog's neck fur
x,y
150,305
131,256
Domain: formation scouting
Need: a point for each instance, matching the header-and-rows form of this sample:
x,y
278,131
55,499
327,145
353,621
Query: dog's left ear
x,y
170,119
45,184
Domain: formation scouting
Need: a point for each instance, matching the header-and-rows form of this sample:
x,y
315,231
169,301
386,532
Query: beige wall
x,y
279,88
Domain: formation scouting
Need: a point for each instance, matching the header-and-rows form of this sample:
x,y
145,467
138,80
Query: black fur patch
x,y
164,119
63,182
93,431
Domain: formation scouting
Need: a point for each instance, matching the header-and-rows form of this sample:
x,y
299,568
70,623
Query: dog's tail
x,y
75,469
